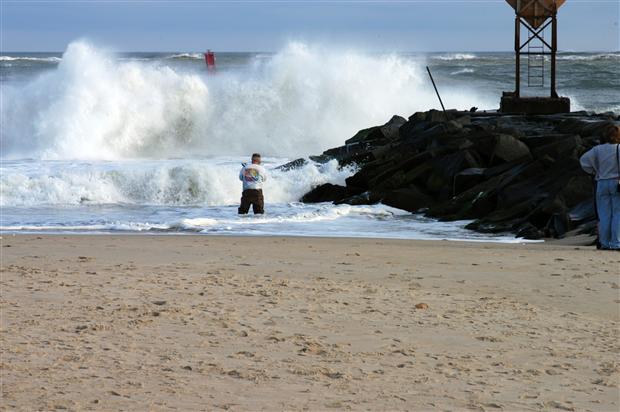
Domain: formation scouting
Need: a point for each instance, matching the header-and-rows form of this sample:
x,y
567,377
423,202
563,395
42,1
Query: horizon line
x,y
277,51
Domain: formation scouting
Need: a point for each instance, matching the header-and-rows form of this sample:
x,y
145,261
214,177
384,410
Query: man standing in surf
x,y
252,176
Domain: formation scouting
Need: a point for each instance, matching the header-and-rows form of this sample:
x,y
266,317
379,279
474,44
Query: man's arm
x,y
587,162
241,174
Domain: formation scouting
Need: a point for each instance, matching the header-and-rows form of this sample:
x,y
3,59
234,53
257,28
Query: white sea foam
x,y
321,214
589,57
187,56
299,101
108,227
455,56
32,59
295,220
462,71
201,182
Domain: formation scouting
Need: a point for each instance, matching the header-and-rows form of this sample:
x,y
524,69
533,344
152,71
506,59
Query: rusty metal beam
x,y
536,34
554,50
517,56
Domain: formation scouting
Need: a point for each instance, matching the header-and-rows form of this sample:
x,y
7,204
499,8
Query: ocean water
x,y
95,141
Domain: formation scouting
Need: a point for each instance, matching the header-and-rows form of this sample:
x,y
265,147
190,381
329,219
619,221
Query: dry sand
x,y
209,323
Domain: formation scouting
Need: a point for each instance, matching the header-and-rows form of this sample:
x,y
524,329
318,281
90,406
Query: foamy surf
x,y
296,219
174,182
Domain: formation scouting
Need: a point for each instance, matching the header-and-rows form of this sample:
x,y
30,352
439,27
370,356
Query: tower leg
x,y
554,50
517,56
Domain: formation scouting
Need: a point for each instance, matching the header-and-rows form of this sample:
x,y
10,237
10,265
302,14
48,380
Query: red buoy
x,y
210,60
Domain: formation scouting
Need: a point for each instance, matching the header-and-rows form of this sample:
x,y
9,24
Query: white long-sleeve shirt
x,y
253,176
602,161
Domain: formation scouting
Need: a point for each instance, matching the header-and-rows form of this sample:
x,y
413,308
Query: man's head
x,y
256,158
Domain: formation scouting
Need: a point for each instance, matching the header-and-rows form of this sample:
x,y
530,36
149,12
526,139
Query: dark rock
x,y
359,158
436,116
578,188
366,198
417,117
557,226
365,136
560,150
321,158
411,128
505,172
410,199
336,152
535,141
583,212
295,164
468,178
325,193
508,148
390,129
529,231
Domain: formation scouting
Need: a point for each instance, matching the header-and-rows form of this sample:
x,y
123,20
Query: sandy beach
x,y
138,322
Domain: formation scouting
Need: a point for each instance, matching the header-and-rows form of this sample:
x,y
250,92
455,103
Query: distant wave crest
x,y
463,71
589,57
455,56
31,59
187,56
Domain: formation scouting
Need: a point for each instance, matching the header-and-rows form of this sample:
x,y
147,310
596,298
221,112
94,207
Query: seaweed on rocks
x,y
507,173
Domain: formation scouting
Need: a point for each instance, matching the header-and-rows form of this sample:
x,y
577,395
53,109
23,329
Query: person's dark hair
x,y
255,156
612,134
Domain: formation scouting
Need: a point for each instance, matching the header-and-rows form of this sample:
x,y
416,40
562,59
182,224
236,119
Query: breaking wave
x,y
210,182
187,56
30,59
589,57
299,101
455,56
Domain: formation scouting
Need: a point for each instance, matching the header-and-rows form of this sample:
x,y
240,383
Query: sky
x,y
194,25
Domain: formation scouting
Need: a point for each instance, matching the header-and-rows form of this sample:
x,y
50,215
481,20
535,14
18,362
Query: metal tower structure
x,y
535,16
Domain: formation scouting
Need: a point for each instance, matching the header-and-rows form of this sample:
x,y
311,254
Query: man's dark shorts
x,y
252,197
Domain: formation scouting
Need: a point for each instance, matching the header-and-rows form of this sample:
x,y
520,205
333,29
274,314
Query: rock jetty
x,y
507,173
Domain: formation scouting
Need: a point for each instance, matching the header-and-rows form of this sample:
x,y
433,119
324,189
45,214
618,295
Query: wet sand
x,y
185,323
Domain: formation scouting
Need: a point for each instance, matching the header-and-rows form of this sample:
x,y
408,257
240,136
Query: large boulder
x,y
295,164
468,178
365,135
508,148
390,129
583,212
578,189
568,148
365,198
325,193
410,199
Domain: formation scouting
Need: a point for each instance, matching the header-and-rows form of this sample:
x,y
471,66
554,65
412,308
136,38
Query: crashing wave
x,y
299,101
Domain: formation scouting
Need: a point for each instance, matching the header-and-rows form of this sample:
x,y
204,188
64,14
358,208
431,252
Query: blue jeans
x,y
608,207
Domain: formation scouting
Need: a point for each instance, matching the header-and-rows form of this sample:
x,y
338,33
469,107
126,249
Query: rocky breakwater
x,y
507,173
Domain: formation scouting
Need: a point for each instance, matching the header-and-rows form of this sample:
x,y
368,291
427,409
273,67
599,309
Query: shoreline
x,y
517,241
244,323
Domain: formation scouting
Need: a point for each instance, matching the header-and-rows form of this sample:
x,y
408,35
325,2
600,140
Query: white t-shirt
x,y
252,176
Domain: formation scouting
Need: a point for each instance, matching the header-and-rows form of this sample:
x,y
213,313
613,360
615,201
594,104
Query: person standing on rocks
x,y
603,161
252,176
